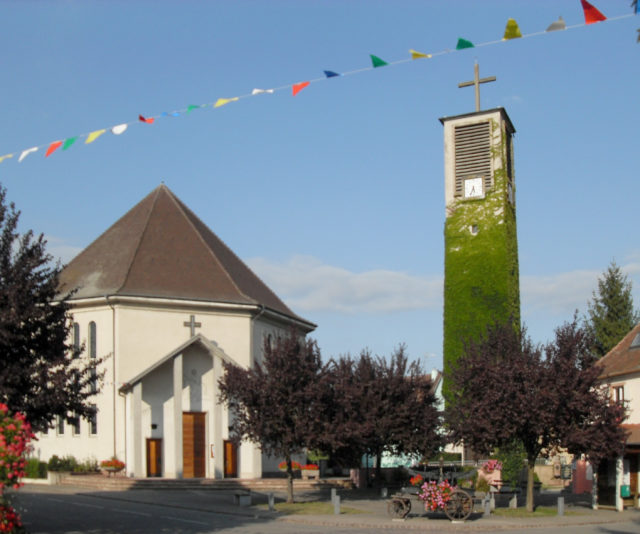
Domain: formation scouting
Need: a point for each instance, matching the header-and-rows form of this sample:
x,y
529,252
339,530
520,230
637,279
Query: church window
x,y
92,339
75,425
93,420
473,229
635,344
472,154
92,355
76,340
60,425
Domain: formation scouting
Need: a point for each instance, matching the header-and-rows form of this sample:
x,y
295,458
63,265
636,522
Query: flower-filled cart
x,y
456,503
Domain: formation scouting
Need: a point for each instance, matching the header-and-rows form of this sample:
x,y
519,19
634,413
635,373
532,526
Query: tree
x,y
40,375
610,314
278,404
509,390
381,405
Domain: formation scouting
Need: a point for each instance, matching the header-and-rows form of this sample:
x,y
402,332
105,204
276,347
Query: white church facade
x,y
165,302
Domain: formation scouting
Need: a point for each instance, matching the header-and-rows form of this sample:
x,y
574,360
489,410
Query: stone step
x,y
120,483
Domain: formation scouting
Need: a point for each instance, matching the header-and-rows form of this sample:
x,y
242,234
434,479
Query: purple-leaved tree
x,y
507,389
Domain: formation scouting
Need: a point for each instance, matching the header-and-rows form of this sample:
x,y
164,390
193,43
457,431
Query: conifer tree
x,y
611,314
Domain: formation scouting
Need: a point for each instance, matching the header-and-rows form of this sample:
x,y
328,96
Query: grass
x,y
539,511
311,508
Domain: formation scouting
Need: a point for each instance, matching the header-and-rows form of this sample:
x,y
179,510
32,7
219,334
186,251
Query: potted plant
x,y
111,466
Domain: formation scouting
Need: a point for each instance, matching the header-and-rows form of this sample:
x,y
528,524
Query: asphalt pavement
x,y
372,505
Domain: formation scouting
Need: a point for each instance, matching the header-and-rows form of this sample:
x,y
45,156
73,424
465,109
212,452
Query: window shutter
x,y
473,154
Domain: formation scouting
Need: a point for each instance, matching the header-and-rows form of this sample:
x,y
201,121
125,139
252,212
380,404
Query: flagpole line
x,y
287,86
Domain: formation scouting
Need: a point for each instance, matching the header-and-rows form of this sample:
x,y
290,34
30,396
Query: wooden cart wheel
x,y
399,507
459,506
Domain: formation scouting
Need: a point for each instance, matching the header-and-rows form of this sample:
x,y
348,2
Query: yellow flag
x,y
417,55
512,31
93,136
2,158
223,101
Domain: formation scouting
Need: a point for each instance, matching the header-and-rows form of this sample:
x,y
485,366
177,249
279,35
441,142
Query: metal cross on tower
x,y
476,82
191,323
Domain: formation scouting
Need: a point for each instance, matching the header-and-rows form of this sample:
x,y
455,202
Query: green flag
x,y
463,43
377,62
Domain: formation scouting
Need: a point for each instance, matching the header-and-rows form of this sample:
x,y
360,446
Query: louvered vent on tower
x,y
473,154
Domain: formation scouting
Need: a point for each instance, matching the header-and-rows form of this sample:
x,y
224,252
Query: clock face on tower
x,y
474,187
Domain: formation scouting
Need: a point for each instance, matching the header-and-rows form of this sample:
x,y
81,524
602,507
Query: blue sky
x,y
335,196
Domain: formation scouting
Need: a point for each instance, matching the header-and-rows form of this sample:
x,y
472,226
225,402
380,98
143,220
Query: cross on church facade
x,y
476,83
191,323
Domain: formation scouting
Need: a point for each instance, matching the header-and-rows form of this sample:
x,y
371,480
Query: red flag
x,y
591,14
52,148
297,87
148,121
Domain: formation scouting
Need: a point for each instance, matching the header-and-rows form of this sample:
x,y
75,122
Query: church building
x,y
164,302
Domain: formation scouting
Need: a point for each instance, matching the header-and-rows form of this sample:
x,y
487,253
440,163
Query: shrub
x,y
68,463
482,485
89,465
35,469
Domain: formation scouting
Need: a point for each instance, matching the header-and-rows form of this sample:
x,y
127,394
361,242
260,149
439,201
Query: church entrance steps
x,y
103,483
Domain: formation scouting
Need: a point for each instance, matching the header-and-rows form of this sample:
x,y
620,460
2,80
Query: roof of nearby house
x,y
624,358
634,434
160,248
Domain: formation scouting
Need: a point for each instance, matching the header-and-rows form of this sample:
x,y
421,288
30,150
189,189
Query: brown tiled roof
x,y
621,359
160,248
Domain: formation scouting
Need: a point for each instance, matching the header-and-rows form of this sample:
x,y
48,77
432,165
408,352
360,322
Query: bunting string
x,y
512,31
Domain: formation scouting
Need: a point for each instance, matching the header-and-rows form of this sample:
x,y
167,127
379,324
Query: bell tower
x,y
481,278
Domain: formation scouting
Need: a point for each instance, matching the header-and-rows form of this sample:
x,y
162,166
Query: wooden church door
x,y
230,459
193,445
154,457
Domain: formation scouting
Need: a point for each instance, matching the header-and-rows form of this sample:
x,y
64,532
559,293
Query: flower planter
x,y
111,471
55,477
310,473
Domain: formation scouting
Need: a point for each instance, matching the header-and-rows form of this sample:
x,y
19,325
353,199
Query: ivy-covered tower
x,y
481,281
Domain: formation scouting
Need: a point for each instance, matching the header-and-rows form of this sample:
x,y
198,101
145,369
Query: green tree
x,y
611,314
40,375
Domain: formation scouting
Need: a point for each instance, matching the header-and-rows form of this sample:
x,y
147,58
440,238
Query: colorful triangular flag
x,y
377,62
26,152
297,87
69,142
191,108
591,14
223,101
120,128
172,114
6,156
331,74
94,135
417,55
52,148
463,43
557,25
512,31
260,91
148,121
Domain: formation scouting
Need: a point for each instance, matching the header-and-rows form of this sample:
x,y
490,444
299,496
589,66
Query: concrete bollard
x,y
383,493
272,505
336,505
487,508
334,494
560,505
513,502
